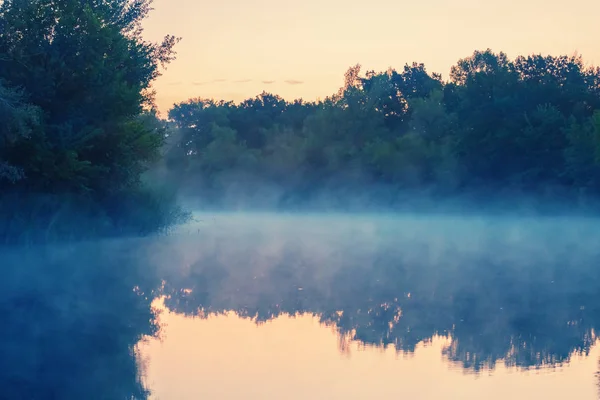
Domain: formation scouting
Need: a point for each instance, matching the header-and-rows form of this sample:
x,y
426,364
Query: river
x,y
377,306
310,306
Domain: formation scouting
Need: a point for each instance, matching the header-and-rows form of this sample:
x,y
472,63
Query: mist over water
x,y
521,290
432,249
483,294
72,315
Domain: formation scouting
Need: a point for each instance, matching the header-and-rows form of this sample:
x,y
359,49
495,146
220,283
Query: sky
x,y
235,49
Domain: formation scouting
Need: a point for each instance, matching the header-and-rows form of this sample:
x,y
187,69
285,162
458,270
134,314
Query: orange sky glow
x,y
235,49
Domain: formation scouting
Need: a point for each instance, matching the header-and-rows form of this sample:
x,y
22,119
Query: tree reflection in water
x,y
524,293
521,292
71,319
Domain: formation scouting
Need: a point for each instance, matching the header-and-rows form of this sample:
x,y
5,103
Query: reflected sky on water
x,y
416,307
227,357
264,306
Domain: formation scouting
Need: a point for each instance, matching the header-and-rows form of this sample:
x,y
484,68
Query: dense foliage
x,y
498,128
78,128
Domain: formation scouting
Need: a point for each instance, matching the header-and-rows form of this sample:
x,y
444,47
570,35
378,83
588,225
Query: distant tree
x,y
415,82
253,116
498,125
563,81
582,154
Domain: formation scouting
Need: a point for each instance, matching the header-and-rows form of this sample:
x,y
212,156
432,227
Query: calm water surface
x,y
337,307
260,306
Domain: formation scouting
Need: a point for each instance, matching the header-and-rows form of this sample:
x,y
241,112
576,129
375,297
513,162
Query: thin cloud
x,y
199,83
268,82
219,80
294,82
243,81
175,83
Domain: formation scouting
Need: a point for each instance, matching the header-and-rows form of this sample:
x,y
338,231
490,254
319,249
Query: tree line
x,y
81,141
497,128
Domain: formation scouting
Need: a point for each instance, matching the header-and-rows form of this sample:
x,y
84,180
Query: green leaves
x,y
85,72
18,121
498,125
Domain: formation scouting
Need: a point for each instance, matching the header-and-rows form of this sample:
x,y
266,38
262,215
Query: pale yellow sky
x,y
234,49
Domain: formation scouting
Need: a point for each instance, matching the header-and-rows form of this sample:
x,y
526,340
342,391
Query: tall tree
x,y
85,64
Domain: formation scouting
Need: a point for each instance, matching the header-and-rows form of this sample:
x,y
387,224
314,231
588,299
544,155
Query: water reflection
x,y
480,293
524,292
297,358
72,317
